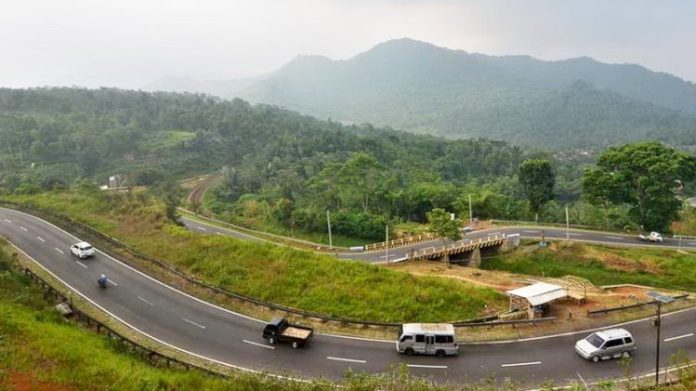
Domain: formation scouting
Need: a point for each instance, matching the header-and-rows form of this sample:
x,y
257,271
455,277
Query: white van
x,y
427,338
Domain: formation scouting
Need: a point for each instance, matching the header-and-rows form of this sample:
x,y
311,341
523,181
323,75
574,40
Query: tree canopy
x,y
643,175
537,179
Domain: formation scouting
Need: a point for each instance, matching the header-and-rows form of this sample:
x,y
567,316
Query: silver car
x,y
606,344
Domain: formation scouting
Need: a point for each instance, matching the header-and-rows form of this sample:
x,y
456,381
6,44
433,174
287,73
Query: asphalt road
x,y
191,325
400,253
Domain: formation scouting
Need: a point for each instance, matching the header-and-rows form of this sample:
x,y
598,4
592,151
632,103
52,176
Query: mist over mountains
x,y
422,88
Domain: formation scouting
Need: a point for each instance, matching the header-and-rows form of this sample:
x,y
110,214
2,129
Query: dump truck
x,y
280,330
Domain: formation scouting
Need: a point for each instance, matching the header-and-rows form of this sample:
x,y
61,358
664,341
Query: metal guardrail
x,y
66,222
399,242
80,316
631,306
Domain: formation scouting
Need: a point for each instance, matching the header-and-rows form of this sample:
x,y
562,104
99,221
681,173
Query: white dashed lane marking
x,y
112,282
346,359
81,264
8,221
521,364
201,228
23,229
200,326
59,250
679,337
41,239
258,344
145,301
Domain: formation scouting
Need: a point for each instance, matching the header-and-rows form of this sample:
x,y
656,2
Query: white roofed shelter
x,y
530,296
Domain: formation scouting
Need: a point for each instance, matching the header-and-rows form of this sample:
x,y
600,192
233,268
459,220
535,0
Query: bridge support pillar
x,y
475,258
511,242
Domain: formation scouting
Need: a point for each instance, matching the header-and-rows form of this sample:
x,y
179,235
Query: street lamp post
x,y
659,300
328,223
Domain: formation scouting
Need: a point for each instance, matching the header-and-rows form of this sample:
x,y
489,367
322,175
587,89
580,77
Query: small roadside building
x,y
535,298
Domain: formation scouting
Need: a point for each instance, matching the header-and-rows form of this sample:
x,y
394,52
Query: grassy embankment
x,y
255,216
603,265
286,276
41,351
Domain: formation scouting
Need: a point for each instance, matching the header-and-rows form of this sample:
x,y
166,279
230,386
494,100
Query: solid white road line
x,y
521,364
583,381
23,229
531,232
145,301
258,344
346,359
41,239
427,366
679,337
8,221
200,326
81,264
59,250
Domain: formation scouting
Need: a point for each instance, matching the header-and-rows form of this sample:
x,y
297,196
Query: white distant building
x,y
115,181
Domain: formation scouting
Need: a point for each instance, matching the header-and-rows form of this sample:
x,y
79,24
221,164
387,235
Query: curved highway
x,y
199,328
399,253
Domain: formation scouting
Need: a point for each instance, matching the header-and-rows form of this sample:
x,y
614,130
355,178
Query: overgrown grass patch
x,y
282,275
603,265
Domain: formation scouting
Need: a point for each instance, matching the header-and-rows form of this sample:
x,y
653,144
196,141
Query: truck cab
x,y
280,330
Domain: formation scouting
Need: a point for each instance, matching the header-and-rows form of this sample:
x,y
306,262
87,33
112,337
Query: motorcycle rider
x,y
102,281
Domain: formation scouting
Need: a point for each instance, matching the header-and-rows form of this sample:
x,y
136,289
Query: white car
x,y
606,344
82,250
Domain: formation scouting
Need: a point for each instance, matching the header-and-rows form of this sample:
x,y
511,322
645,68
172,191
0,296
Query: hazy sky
x,y
129,43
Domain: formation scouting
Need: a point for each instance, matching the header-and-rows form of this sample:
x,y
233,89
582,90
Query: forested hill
x,y
422,88
53,136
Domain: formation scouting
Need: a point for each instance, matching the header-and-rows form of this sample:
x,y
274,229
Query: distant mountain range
x,y
423,88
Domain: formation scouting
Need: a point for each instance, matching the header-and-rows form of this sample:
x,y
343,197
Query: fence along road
x,y
199,328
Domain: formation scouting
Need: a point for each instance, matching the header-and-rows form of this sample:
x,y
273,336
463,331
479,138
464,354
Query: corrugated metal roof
x,y
539,293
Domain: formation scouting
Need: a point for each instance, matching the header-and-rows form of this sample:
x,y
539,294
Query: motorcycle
x,y
102,281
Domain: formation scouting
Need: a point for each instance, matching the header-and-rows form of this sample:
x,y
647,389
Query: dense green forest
x,y
415,86
277,166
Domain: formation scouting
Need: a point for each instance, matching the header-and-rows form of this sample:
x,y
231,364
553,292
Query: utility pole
x,y
328,223
657,356
386,243
471,216
659,300
567,224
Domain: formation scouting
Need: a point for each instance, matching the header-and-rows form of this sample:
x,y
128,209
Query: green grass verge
x,y
281,275
270,225
603,265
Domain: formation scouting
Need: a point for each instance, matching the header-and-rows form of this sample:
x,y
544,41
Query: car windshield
x,y
595,340
86,247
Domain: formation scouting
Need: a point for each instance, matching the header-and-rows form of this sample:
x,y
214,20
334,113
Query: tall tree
x,y
444,227
644,176
537,179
